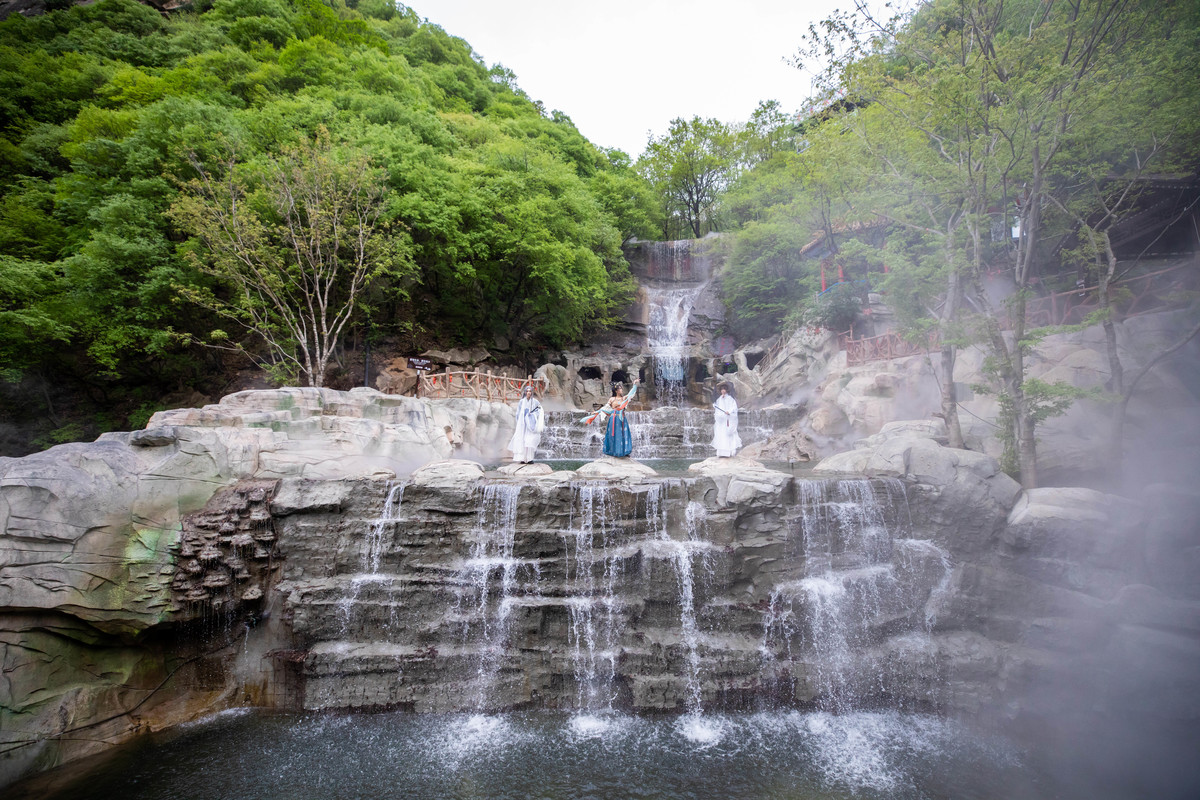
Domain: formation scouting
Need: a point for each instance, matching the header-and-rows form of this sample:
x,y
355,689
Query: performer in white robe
x,y
531,421
725,423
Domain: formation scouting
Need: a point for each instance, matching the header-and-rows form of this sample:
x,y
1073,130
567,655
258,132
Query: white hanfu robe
x,y
725,423
531,421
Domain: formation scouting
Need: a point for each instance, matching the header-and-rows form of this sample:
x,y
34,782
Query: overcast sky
x,y
623,69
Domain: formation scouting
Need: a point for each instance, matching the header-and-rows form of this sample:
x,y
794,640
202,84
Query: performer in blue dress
x,y
618,442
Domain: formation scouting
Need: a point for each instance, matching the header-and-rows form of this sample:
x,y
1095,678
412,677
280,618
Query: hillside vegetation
x,y
164,180
1071,124
496,220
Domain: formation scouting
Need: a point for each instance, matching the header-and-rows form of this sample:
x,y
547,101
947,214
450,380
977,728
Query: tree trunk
x,y
1109,324
950,400
1118,429
949,314
1023,419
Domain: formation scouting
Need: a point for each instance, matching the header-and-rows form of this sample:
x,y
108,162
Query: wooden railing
x,y
880,348
1154,291
478,385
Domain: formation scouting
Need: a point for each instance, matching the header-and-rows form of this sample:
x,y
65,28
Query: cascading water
x,y
599,595
485,618
846,539
666,338
680,554
595,596
372,555
592,606
377,533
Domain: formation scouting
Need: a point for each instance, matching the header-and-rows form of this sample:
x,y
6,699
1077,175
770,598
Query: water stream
x,y
489,578
592,605
666,338
844,534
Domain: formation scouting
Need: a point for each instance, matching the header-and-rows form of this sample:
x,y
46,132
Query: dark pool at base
x,y
784,755
792,755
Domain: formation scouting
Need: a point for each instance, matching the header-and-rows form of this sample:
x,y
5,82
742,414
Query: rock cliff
x,y
283,549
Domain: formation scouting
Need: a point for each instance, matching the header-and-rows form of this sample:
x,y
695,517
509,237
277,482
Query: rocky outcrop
x,y
108,552
1064,597
324,433
742,480
606,586
845,403
226,556
271,550
962,496
396,377
1075,448
1065,606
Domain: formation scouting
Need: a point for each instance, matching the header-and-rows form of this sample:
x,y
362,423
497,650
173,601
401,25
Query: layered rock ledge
x,y
316,549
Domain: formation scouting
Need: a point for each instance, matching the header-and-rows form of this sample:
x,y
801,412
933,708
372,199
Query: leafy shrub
x,y
836,309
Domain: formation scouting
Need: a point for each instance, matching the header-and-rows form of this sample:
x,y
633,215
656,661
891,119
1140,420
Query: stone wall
x,y
560,590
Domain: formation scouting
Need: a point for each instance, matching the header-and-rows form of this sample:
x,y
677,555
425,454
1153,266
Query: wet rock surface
x,y
227,555
148,581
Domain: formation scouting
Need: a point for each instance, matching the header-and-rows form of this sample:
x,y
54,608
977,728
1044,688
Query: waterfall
x,y
598,595
677,260
372,556
679,555
566,437
592,604
376,533
489,577
687,602
666,338
595,567
845,535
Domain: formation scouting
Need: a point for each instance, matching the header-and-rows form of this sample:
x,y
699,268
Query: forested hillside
x,y
967,161
164,177
128,136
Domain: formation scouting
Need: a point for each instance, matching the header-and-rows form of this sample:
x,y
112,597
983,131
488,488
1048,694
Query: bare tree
x,y
295,242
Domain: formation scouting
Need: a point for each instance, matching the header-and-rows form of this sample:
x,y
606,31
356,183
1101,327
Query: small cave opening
x,y
699,372
620,376
590,373
752,359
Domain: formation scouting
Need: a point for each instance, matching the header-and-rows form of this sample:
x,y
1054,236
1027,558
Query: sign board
x,y
422,364
723,346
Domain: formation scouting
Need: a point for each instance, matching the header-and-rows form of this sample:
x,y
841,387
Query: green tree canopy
x,y
513,220
690,166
